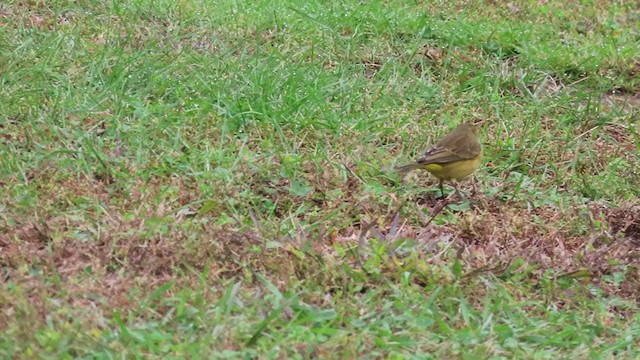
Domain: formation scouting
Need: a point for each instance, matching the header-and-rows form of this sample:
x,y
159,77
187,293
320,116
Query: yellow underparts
x,y
457,170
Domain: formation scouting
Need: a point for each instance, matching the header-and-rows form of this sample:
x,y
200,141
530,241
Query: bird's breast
x,y
457,170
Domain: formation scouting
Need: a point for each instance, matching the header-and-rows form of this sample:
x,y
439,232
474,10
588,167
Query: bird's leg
x,y
441,189
460,195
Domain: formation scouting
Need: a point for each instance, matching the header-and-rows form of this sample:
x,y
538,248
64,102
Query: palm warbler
x,y
454,157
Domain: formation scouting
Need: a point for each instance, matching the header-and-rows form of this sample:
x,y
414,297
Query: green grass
x,y
189,179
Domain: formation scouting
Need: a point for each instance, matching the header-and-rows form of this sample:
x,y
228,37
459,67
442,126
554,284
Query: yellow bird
x,y
454,157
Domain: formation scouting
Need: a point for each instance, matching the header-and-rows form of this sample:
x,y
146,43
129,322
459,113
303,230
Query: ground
x,y
189,179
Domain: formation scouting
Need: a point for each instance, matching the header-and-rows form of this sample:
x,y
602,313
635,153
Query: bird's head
x,y
475,124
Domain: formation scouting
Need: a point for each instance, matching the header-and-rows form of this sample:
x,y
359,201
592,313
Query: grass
x,y
184,179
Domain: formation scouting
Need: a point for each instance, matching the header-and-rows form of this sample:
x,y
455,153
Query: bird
x,y
454,157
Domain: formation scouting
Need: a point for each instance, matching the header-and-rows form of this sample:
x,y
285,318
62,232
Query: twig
x,y
441,205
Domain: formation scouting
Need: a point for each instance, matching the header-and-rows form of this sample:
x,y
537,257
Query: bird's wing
x,y
466,143
469,150
438,155
460,144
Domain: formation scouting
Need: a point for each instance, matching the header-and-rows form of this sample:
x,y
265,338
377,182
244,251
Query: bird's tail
x,y
405,169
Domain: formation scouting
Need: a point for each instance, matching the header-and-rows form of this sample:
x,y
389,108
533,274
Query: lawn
x,y
216,179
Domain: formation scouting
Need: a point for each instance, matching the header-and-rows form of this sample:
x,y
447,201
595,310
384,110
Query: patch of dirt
x,y
621,99
617,100
24,243
623,137
598,145
625,220
634,70
102,272
612,141
34,15
431,59
547,86
493,233
428,54
371,68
